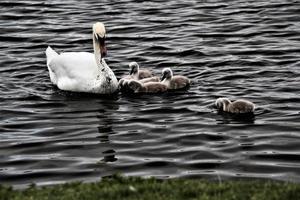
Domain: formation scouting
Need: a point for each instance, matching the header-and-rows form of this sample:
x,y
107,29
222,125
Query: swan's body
x,y
149,87
238,106
174,82
82,71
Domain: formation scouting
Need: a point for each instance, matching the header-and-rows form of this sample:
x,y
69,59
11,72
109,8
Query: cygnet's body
x,y
149,87
239,106
150,79
135,74
174,82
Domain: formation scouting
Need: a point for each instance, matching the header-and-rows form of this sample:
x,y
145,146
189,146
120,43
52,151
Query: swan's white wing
x,y
76,65
50,54
74,71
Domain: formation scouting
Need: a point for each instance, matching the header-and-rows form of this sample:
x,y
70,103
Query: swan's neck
x,y
226,105
97,53
167,81
136,76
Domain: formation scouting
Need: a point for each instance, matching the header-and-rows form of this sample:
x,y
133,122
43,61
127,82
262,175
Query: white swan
x,y
83,71
238,106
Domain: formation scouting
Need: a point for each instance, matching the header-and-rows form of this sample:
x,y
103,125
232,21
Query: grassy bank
x,y
153,189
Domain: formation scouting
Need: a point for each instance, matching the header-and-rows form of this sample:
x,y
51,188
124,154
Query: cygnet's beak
x,y
131,71
163,76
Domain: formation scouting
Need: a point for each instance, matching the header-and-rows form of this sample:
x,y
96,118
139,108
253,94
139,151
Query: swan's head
x,y
166,74
135,85
134,68
99,34
222,103
99,29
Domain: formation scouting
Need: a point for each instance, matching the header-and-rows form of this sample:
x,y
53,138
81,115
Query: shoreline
x,y
119,187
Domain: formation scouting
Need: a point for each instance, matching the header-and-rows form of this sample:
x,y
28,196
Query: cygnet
x,y
135,74
138,73
174,82
149,87
238,106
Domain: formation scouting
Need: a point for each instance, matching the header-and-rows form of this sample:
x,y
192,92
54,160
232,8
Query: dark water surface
x,y
248,49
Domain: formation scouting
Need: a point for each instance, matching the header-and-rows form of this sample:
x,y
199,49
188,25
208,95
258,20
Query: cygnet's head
x,y
134,85
99,34
222,103
134,68
166,74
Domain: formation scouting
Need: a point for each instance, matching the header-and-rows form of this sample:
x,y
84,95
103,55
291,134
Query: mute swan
x,y
174,82
83,71
238,106
150,87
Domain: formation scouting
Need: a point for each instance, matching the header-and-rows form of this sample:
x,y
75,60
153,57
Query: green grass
x,y
154,189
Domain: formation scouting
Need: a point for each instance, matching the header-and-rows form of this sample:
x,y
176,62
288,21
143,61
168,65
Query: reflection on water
x,y
233,49
228,118
105,129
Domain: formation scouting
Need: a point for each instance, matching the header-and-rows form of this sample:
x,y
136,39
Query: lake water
x,y
235,49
